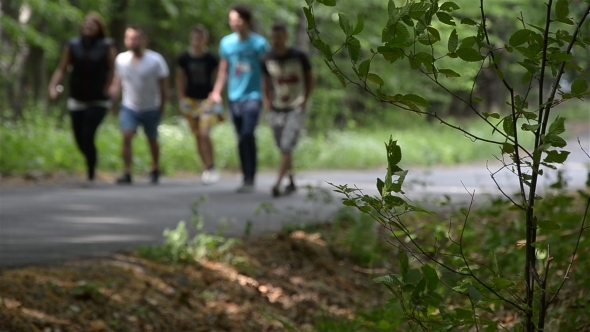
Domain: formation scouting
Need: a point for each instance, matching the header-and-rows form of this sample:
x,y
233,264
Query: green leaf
x,y
453,41
520,37
413,277
449,6
375,78
344,24
468,21
359,25
558,157
549,225
380,184
430,276
508,125
526,78
394,153
507,148
469,54
530,127
449,73
310,18
562,9
502,283
417,100
476,99
364,68
445,18
579,86
461,313
557,126
353,46
474,294
340,77
560,56
329,3
404,263
555,141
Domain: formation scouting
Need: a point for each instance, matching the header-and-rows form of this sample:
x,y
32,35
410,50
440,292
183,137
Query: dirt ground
x,y
274,283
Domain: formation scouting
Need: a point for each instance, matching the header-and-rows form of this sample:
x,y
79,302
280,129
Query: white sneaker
x,y
213,175
205,176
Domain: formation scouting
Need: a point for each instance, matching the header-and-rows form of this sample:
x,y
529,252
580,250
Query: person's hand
x,y
215,97
113,93
55,91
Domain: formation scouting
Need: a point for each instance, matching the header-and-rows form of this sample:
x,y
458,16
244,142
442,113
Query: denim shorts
x,y
130,120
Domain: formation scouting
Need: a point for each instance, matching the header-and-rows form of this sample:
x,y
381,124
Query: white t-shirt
x,y
141,79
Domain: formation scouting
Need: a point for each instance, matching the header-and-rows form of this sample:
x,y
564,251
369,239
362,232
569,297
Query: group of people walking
x,y
258,75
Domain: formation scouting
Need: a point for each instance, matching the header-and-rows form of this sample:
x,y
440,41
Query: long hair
x,y
96,18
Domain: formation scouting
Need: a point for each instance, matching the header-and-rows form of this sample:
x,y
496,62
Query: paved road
x,y
48,223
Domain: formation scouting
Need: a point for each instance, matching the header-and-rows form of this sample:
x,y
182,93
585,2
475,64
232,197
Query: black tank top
x,y
90,68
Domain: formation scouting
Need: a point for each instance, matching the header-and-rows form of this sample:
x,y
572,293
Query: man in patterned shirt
x,y
286,84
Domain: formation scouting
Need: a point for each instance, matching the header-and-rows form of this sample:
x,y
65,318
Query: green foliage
x,y
178,247
471,272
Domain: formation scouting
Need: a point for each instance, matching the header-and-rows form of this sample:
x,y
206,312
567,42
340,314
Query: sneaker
x,y
125,179
246,188
289,189
205,176
213,175
154,176
275,192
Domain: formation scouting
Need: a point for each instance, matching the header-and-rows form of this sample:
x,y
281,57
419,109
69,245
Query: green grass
x,y
44,144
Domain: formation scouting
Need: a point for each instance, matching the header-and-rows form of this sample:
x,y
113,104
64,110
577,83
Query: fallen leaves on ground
x,y
284,282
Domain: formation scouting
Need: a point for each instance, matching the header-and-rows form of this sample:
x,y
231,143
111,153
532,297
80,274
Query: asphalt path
x,y
44,224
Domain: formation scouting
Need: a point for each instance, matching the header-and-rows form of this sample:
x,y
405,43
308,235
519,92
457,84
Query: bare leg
x,y
155,152
205,148
126,151
285,166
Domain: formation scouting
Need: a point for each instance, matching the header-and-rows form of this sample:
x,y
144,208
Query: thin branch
x,y
542,304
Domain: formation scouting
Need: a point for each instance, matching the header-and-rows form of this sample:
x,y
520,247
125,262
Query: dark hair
x,y
96,18
200,29
244,12
279,27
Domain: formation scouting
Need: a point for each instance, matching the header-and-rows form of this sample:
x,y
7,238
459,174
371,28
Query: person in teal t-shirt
x,y
240,67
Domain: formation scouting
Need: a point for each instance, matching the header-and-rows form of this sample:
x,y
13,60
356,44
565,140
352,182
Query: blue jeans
x,y
245,117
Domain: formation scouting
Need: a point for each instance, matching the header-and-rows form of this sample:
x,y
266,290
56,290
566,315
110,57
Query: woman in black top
x,y
91,57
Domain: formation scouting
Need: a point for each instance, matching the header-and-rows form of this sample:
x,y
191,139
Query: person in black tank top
x,y
91,58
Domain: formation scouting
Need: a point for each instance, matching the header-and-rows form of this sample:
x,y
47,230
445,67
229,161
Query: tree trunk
x,y
118,22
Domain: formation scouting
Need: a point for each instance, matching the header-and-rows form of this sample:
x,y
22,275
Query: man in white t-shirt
x,y
143,76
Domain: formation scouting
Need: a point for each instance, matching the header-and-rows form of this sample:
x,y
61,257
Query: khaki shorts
x,y
198,113
286,126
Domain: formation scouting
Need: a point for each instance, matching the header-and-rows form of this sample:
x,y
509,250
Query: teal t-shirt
x,y
244,69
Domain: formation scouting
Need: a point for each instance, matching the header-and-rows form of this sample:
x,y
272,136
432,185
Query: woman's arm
x,y
59,73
